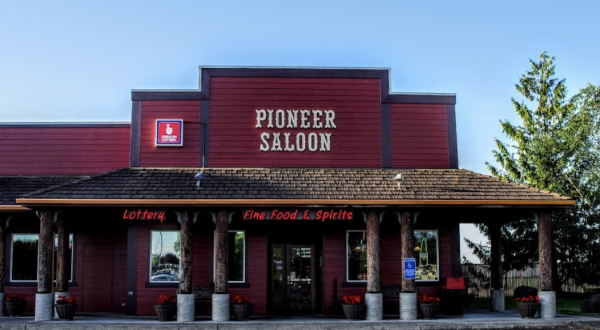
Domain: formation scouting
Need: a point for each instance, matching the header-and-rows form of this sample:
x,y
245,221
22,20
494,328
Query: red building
x,y
293,187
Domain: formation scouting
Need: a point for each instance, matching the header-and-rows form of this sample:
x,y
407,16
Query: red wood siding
x,y
63,150
391,257
445,252
235,140
419,136
256,273
186,156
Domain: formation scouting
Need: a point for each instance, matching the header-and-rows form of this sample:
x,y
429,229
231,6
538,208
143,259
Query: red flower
x,y
163,299
352,300
427,299
15,297
64,300
527,299
239,300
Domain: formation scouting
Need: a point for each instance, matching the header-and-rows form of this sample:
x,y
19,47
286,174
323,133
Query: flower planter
x,y
429,310
242,311
353,311
165,312
527,309
15,308
66,311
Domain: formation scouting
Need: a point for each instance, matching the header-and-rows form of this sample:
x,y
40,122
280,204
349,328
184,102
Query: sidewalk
x,y
473,319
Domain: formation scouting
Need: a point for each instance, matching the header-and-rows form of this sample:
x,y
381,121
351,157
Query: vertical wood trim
x,y
373,247
204,131
545,249
2,254
132,250
187,254
222,253
456,269
136,134
496,256
407,242
452,140
386,135
62,267
45,252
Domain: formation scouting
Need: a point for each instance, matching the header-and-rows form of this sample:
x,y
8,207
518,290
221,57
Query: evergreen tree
x,y
554,149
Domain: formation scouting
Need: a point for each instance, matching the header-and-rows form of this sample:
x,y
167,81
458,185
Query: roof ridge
x,y
65,184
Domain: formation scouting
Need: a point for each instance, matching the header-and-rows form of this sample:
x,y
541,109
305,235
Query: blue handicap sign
x,y
410,268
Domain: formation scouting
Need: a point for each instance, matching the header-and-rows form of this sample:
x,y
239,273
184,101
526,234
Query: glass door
x,y
292,278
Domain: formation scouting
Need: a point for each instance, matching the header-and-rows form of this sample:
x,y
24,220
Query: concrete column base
x,y
497,301
220,307
186,307
547,304
374,302
408,305
44,306
56,294
2,297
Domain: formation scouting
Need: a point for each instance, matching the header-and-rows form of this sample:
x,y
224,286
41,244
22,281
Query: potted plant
x,y
527,306
241,307
15,304
166,307
428,305
66,307
353,307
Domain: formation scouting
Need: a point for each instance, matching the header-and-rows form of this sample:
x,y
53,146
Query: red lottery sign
x,y
169,133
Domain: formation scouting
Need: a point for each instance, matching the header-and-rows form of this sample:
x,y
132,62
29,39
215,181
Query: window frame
x,y
244,253
347,271
150,258
37,266
437,253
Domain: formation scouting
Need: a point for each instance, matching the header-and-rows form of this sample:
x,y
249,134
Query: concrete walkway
x,y
473,319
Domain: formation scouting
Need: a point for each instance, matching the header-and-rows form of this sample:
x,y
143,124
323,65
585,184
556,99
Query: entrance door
x,y
293,278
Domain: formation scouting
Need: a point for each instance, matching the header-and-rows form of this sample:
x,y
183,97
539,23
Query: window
x,y
165,254
237,256
426,255
356,251
25,257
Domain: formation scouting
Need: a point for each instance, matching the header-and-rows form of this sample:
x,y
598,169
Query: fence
x,y
479,280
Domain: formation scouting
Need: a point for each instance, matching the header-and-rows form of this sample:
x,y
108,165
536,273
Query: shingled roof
x,y
293,185
12,187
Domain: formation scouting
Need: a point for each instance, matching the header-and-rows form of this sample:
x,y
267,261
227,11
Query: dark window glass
x,y
356,251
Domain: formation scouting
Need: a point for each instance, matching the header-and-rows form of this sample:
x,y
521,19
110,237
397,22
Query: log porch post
x,y
497,292
408,297
373,297
62,264
44,297
2,259
186,309
547,295
221,296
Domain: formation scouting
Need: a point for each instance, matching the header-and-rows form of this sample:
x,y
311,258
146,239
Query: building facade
x,y
292,187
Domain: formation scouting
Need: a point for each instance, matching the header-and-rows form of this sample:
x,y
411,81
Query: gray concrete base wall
x,y
374,302
44,306
186,307
220,307
547,304
408,306
497,300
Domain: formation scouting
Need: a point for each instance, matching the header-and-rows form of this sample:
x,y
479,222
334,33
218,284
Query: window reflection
x,y
356,251
165,256
426,255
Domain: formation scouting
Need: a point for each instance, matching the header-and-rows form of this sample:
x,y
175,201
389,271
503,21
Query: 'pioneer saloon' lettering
x,y
143,215
274,140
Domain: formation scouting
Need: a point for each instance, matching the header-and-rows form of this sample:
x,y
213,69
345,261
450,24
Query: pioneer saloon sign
x,y
298,214
316,126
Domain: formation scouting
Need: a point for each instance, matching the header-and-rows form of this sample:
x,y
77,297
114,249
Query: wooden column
x,y
496,256
408,247
373,282
62,256
221,253
187,247
545,250
45,252
2,255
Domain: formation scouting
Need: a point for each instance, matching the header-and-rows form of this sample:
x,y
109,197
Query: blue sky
x,y
79,60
